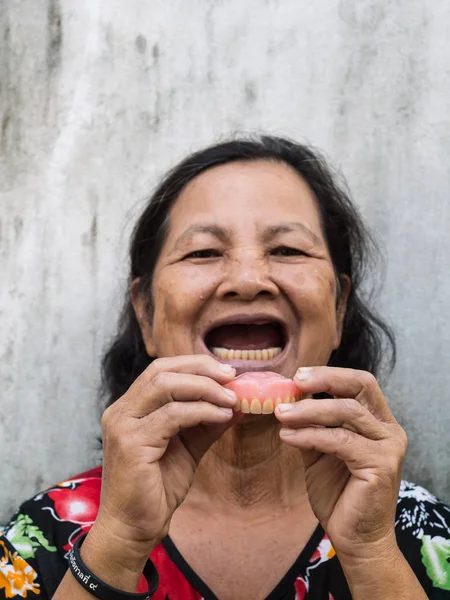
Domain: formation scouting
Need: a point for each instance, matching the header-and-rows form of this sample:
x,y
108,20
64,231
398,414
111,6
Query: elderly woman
x,y
248,258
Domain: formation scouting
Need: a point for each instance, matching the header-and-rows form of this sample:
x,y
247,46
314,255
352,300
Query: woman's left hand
x,y
353,450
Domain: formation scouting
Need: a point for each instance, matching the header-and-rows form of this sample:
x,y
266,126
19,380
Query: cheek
x,y
179,295
314,292
313,287
170,305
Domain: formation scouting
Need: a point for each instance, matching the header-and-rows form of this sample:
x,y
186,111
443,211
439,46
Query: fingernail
x,y
285,407
226,368
303,374
227,411
285,431
230,393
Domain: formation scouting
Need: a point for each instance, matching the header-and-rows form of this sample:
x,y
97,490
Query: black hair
x,y
366,338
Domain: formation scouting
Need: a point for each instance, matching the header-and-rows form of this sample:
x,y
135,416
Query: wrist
x,y
381,572
114,559
360,553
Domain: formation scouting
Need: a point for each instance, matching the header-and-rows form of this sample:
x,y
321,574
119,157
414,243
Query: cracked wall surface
x,y
97,99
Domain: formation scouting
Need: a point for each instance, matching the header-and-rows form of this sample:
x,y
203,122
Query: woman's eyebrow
x,y
275,230
217,231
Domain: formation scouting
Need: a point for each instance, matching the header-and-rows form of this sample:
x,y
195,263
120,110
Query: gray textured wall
x,y
98,98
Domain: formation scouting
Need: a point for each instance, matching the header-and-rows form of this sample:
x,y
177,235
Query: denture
x,y
261,391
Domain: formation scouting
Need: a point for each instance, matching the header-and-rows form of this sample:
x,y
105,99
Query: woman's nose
x,y
246,278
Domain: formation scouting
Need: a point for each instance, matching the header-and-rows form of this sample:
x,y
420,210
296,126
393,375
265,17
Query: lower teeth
x,y
265,354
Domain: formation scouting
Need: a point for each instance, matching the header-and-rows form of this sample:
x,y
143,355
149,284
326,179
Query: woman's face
x,y
245,273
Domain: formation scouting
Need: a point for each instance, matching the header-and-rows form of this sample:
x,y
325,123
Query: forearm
x,y
383,577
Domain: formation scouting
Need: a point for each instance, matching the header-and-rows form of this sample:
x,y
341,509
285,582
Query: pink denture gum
x,y
260,392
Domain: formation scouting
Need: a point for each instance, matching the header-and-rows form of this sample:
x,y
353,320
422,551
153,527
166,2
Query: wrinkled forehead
x,y
245,197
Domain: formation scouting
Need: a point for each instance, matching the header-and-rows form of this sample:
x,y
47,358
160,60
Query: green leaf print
x,y
436,558
26,537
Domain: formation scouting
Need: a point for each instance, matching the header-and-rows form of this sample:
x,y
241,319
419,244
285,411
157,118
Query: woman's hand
x,y
153,439
353,450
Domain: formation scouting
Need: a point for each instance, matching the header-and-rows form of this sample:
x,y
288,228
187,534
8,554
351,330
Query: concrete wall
x,y
98,98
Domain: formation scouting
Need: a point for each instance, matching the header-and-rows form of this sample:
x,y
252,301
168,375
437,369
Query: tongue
x,y
246,337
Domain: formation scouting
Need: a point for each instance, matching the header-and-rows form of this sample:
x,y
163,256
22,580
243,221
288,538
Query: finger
x,y
342,443
345,383
175,417
169,387
346,412
356,451
196,364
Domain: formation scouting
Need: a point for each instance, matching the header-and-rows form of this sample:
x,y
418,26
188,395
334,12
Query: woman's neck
x,y
250,471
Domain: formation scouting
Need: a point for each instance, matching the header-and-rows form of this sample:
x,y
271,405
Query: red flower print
x,y
300,588
77,501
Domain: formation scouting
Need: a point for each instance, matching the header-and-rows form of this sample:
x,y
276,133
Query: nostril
x,y
247,286
249,294
230,294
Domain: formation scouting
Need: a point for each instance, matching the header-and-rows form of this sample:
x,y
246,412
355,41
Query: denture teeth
x,y
229,354
237,406
267,408
255,407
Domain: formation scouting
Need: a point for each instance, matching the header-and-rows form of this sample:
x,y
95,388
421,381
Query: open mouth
x,y
247,341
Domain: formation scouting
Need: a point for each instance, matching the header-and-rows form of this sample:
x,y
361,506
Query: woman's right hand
x,y
153,439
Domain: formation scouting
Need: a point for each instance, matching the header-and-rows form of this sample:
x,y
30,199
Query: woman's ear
x,y
142,315
343,291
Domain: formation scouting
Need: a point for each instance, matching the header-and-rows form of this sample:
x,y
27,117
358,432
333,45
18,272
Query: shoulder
x,y
423,533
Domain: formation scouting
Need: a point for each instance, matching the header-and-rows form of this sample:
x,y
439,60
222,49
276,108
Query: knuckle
x,y
368,380
392,465
156,366
353,407
402,440
209,359
112,431
107,419
210,385
170,412
161,380
343,436
169,409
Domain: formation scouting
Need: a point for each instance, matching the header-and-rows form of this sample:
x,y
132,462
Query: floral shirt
x,y
34,549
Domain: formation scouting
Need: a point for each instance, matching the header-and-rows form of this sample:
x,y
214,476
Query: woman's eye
x,y
208,253
287,251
